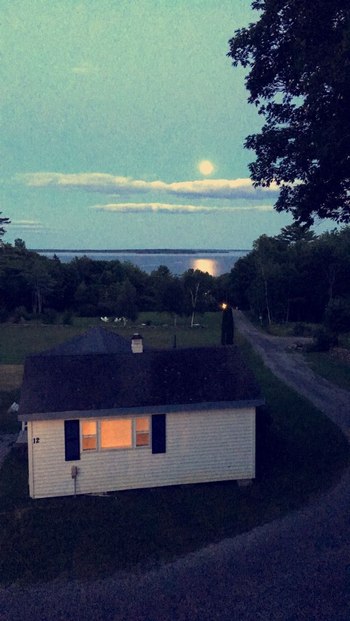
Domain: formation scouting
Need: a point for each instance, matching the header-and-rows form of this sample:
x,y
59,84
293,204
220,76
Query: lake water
x,y
216,262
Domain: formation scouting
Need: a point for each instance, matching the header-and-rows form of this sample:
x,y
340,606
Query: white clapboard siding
x,y
200,447
49,473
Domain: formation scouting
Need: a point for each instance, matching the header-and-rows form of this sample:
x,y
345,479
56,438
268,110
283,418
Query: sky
x,y
109,109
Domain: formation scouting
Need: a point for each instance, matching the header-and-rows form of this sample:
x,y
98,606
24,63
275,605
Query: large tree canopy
x,y
298,53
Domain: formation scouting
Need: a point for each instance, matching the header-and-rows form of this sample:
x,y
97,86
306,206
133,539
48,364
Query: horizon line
x,y
143,250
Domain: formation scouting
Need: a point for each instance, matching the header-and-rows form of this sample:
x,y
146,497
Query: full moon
x,y
205,167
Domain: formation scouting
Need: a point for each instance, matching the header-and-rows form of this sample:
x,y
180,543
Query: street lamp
x,y
227,324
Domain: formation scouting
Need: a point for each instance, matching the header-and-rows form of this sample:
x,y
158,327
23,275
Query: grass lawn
x,y
157,329
331,369
299,453
290,329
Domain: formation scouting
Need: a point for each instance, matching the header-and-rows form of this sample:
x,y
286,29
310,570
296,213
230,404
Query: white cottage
x,y
101,418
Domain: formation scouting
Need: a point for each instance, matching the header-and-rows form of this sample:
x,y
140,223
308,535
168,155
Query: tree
x,y
2,222
86,299
160,280
240,279
337,315
40,282
14,288
20,244
198,286
126,303
299,58
294,233
173,297
271,287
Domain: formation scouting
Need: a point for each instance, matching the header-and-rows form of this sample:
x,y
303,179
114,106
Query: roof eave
x,y
153,409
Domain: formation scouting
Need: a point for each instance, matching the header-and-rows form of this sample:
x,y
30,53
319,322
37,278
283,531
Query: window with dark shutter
x,y
71,440
158,433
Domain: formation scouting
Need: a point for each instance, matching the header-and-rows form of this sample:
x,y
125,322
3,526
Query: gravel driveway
x,y
289,365
296,568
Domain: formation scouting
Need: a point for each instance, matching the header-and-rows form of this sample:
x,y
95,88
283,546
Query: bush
x,y
3,315
19,314
88,310
49,316
67,318
337,315
324,340
300,330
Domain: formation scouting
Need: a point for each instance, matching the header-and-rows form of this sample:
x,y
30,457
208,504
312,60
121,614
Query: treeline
x,y
293,277
296,276
35,286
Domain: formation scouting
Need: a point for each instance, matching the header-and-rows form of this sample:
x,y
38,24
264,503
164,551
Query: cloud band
x,y
231,189
169,208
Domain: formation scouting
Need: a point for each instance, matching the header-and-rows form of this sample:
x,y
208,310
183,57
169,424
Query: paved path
x,y
293,569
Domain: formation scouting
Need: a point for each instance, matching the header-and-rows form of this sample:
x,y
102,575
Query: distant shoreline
x,y
140,251
177,260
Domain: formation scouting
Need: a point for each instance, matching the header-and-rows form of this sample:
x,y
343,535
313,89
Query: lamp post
x,y
227,324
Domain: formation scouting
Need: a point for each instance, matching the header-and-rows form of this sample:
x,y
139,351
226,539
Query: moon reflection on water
x,y
206,265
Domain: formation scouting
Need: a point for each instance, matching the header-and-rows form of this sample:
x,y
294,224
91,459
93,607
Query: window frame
x,y
89,435
140,433
134,434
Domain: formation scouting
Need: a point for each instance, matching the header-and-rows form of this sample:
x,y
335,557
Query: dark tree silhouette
x,y
298,53
2,222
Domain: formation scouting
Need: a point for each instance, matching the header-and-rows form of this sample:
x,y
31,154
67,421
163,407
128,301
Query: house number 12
x,y
36,440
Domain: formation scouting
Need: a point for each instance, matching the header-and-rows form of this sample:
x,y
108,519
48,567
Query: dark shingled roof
x,y
101,381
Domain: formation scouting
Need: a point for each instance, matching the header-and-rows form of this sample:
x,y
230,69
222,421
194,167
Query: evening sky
x,y
108,107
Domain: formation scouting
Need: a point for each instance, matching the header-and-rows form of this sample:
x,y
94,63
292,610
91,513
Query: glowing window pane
x,y
116,433
142,424
89,443
89,437
89,428
142,431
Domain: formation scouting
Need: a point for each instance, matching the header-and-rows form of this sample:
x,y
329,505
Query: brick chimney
x,y
137,344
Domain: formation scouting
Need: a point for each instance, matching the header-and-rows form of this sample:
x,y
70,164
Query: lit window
x,y
116,433
89,435
142,431
120,433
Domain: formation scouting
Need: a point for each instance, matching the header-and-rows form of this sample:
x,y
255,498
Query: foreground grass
x,y
299,454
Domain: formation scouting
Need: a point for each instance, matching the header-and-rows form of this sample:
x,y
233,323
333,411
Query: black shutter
x,y
71,440
158,433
